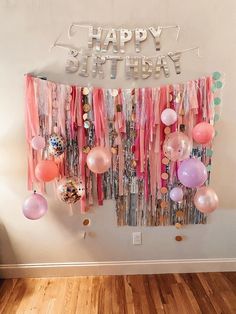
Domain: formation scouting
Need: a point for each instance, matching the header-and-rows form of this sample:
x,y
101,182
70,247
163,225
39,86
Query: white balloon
x,y
168,116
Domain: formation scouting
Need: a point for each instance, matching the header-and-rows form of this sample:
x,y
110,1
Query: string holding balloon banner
x,y
93,59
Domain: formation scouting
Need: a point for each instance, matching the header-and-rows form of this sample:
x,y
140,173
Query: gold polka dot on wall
x,y
85,116
86,107
164,190
165,161
164,176
164,204
178,238
118,108
114,92
179,213
167,130
86,149
114,150
85,91
86,222
178,225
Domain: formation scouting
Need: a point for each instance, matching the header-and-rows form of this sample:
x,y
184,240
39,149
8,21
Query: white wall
x,y
27,30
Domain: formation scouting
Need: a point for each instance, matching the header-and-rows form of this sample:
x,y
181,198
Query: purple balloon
x,y
192,173
176,194
35,206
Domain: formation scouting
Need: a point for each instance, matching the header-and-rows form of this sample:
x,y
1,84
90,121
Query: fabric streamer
x,y
128,122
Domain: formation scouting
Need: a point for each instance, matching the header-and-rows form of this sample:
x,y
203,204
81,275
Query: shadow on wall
x,y
7,253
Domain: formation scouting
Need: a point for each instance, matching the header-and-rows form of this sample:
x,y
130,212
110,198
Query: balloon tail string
x,y
71,212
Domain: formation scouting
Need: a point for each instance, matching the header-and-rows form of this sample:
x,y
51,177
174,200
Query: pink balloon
x,y
35,206
176,194
192,173
206,200
168,116
46,170
99,159
177,146
203,133
38,142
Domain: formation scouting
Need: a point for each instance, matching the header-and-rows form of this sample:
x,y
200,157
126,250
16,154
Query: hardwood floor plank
x,y
15,297
150,301
87,297
138,290
188,299
231,280
28,296
118,295
129,296
140,294
6,290
41,294
199,293
106,298
155,293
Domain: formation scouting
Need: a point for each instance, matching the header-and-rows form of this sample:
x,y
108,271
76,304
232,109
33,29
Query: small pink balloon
x,y
168,116
99,159
177,146
176,194
35,206
203,133
192,173
38,142
206,200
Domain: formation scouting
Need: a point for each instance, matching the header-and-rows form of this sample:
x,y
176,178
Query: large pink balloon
x,y
99,159
203,133
206,199
168,116
192,173
38,142
35,206
177,146
46,170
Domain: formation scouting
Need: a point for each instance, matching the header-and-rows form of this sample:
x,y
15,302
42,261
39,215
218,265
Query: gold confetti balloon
x,y
68,191
56,145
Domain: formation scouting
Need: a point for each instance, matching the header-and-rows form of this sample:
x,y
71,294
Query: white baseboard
x,y
116,268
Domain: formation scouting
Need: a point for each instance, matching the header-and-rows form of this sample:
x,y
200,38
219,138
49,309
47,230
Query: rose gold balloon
x,y
99,159
46,170
203,133
206,199
177,146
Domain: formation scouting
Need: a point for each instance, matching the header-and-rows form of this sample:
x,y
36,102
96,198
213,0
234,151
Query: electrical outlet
x,y
137,238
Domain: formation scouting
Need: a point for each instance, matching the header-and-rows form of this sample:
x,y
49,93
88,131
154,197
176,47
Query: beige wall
x,y
27,30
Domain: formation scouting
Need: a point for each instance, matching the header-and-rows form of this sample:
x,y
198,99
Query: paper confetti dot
x,y
209,168
178,238
209,152
216,117
217,101
213,88
216,75
219,84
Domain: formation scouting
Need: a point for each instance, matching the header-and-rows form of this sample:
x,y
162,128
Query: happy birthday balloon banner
x,y
148,149
94,58
118,37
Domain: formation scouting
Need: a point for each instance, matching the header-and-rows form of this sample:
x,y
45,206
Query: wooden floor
x,y
176,293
